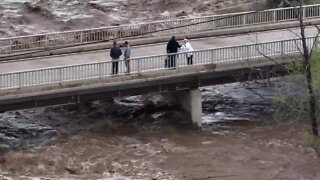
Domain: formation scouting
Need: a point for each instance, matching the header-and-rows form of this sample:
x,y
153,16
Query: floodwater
x,y
35,127
129,138
146,137
24,17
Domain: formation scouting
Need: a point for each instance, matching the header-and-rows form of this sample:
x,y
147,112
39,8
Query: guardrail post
x,y
118,35
100,70
213,23
60,76
212,56
304,12
81,37
138,62
178,58
247,49
46,41
149,30
10,45
274,15
282,47
19,80
244,19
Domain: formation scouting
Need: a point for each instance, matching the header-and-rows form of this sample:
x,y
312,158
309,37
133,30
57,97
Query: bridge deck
x,y
155,49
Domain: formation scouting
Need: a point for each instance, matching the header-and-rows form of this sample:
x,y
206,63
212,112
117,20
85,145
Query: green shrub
x,y
293,101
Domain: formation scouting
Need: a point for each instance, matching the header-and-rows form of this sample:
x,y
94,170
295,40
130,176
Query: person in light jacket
x,y
188,48
115,54
126,54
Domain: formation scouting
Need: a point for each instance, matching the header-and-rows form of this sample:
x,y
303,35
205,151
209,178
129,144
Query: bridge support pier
x,y
191,102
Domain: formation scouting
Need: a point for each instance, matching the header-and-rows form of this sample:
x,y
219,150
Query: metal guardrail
x,y
151,63
78,37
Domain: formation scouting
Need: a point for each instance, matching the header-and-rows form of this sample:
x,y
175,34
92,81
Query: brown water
x,y
154,150
23,17
37,127
144,137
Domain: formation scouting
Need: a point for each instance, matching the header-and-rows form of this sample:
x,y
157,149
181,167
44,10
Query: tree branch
x,y
315,40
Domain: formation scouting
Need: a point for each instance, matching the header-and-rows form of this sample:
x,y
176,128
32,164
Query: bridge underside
x,y
205,75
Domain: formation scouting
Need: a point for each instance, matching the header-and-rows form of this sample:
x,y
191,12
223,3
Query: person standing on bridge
x,y
115,54
126,54
172,47
188,48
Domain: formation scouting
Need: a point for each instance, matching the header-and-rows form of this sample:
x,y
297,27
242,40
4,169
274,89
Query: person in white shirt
x,y
188,48
127,54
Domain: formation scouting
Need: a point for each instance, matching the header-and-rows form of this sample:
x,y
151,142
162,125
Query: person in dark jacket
x,y
172,47
115,54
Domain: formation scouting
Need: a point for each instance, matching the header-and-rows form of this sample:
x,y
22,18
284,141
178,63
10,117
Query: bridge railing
x,y
96,71
170,27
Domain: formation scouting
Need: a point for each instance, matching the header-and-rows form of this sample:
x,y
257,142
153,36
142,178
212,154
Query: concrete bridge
x,y
69,84
48,78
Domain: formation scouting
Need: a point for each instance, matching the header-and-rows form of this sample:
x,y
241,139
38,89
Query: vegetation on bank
x,y
293,102
300,99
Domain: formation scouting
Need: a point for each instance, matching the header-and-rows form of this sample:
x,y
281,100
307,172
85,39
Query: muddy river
x,y
145,137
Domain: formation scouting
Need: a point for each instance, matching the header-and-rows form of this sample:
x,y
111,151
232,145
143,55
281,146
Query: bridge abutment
x,y
191,102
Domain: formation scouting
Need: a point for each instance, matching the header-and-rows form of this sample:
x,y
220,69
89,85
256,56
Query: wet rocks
x,y
71,170
38,9
33,8
182,14
105,7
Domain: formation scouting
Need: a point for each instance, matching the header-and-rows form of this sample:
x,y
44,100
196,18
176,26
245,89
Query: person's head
x,y
126,44
114,44
185,40
173,38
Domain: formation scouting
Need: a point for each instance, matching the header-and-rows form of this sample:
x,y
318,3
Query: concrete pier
x,y
191,102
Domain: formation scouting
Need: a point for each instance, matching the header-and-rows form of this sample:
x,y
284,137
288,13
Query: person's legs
x,y
126,63
170,61
166,62
190,62
116,67
113,68
174,59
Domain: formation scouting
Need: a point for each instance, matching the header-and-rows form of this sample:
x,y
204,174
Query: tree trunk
x,y
307,59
